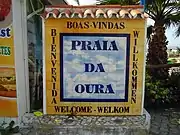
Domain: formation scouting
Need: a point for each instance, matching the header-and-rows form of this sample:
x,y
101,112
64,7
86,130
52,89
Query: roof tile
x,y
99,11
65,14
124,14
100,14
146,15
112,14
136,14
53,13
77,13
88,13
44,14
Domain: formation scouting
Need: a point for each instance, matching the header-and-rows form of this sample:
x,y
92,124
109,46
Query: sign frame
x,y
95,35
135,109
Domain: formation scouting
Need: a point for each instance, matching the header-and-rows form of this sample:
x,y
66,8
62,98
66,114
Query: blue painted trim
x,y
142,2
62,99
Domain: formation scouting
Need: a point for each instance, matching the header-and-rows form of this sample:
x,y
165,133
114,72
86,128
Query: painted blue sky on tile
x,y
113,62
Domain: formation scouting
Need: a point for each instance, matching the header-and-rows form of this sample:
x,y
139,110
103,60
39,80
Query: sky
x,y
170,33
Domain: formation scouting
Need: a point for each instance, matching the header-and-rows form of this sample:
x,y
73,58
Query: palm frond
x,y
178,49
78,2
149,31
164,12
161,9
178,31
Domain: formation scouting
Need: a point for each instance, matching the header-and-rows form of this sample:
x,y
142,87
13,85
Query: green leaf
x,y
15,130
152,92
11,124
178,121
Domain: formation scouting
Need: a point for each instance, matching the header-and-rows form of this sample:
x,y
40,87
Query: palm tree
x,y
164,13
149,33
178,51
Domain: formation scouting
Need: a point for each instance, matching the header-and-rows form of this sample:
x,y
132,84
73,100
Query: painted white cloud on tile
x,y
73,66
113,63
120,41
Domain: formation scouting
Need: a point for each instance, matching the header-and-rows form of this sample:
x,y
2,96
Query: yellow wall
x,y
8,102
7,42
130,26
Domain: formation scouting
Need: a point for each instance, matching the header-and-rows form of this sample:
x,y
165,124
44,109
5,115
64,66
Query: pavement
x,y
165,121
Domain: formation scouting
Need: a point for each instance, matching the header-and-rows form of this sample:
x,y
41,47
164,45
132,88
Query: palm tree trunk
x,y
157,54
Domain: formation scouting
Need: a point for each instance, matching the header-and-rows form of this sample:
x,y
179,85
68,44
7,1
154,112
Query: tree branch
x,y
163,65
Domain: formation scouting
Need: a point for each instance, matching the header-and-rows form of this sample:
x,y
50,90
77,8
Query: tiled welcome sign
x,y
93,66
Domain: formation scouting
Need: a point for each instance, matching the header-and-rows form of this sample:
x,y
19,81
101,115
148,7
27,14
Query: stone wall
x,y
87,125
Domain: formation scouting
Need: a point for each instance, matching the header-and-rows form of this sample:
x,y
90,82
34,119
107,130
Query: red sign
x,y
5,7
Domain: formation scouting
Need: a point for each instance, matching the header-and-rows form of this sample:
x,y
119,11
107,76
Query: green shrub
x,y
174,85
163,91
156,91
9,130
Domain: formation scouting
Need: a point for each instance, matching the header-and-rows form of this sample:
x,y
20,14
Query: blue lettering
x,y
89,67
100,67
113,46
94,45
109,89
94,88
97,45
86,44
88,89
79,88
8,32
99,88
74,44
4,33
105,43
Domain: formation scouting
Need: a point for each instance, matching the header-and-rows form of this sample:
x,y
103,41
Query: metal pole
x,y
21,55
